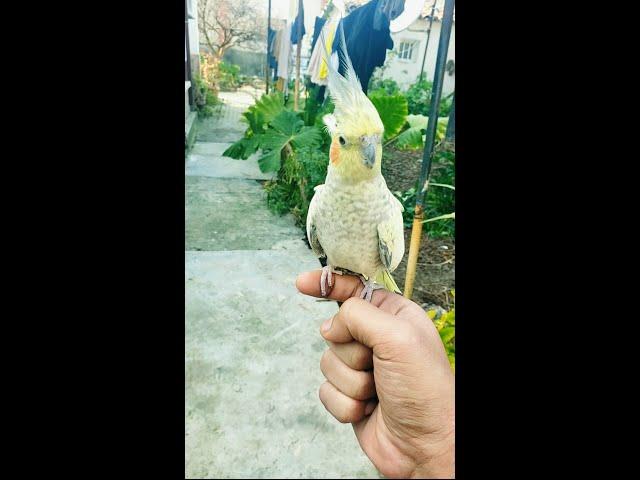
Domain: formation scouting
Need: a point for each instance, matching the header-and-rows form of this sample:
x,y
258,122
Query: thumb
x,y
358,320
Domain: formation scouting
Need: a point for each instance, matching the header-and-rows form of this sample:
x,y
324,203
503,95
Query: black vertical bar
x,y
451,126
424,57
436,93
268,70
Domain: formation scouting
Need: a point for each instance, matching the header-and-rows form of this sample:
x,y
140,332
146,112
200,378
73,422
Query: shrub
x,y
445,323
419,99
388,86
228,76
440,201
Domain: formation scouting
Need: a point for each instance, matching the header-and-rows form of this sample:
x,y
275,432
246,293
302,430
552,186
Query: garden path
x,y
252,347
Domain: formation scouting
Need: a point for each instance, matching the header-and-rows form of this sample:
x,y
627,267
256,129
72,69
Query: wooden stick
x,y
414,250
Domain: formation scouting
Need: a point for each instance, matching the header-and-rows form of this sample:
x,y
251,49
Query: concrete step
x,y
206,160
231,214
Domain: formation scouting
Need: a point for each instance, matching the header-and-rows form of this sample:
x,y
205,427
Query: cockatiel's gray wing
x,y
312,235
391,237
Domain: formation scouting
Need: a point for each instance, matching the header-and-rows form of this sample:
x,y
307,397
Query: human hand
x,y
403,412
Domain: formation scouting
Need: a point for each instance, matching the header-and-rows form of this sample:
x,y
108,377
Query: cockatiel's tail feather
x,y
385,279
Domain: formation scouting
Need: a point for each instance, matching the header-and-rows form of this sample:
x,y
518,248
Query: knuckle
x,y
351,413
362,388
407,336
324,361
360,358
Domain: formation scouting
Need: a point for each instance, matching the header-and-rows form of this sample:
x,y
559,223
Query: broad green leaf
x,y
269,106
243,148
270,162
413,137
235,150
286,128
393,112
287,122
410,139
263,111
307,137
256,121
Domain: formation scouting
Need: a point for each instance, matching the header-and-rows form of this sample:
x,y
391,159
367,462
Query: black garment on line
x,y
317,28
367,47
298,21
273,63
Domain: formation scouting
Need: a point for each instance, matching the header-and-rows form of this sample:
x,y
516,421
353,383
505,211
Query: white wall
x,y
406,72
194,41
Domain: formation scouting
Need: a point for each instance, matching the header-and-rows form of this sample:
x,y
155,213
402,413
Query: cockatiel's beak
x,y
369,152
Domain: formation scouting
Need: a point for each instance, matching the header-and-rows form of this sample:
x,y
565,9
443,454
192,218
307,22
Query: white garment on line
x,y
284,53
315,62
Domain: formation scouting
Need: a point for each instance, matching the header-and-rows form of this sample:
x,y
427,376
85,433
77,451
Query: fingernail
x,y
370,407
327,324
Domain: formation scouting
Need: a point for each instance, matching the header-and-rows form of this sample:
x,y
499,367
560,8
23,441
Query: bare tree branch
x,y
226,23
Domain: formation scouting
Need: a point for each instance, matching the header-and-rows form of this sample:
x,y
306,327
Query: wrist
x,y
440,464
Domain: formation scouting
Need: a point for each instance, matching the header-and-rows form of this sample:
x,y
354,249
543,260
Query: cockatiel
x,y
353,219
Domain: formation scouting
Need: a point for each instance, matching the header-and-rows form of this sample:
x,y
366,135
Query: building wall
x,y
194,40
406,72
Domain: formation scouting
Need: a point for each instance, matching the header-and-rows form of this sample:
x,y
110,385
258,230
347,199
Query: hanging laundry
x,y
317,68
366,45
275,46
317,28
272,59
299,21
284,49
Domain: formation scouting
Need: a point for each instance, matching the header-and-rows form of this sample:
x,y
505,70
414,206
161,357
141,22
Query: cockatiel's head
x,y
355,126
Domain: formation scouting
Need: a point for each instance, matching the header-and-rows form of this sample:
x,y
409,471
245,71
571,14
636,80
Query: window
x,y
405,51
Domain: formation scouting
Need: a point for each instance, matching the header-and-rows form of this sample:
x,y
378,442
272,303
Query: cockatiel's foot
x,y
369,287
326,279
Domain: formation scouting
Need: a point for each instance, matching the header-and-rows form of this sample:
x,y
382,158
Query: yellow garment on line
x,y
324,69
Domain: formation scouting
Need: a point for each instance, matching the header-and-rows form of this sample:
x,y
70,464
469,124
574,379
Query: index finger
x,y
344,287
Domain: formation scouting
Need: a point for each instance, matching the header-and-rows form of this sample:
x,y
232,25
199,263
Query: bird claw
x,y
369,286
326,279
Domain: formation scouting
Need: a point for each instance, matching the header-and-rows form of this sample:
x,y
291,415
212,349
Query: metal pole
x,y
268,70
451,126
424,57
438,80
298,49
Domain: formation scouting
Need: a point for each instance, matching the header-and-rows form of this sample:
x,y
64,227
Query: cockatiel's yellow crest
x,y
354,220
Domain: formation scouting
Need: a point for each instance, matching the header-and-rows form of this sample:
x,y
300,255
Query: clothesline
x,y
367,43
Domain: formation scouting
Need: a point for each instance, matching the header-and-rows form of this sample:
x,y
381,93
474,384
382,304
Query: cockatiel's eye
x,y
342,140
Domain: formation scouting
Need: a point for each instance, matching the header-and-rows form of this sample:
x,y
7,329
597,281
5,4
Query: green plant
x,y
413,137
205,97
285,135
419,99
388,85
445,323
296,145
440,202
293,149
392,110
228,76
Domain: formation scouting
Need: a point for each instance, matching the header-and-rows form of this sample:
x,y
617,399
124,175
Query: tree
x,y
227,23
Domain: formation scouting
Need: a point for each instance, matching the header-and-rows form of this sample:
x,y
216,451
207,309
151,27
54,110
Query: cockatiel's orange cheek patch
x,y
334,152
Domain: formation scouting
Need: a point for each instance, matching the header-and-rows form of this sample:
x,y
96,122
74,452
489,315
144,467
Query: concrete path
x,y
251,340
